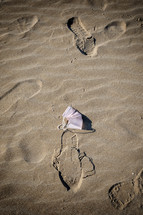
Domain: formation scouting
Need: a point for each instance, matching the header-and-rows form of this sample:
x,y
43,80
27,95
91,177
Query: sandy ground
x,y
84,53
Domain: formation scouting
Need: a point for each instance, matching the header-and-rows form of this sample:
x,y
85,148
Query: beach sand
x,y
82,53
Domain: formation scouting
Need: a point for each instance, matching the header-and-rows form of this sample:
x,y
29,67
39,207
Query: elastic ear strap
x,y
81,131
60,127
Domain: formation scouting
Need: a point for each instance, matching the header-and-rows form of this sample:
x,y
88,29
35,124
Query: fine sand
x,y
82,53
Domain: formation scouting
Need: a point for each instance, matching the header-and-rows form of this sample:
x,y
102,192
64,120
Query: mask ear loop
x,y
64,128
60,127
82,131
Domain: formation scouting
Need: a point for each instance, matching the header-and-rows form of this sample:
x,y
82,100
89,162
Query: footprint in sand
x,y
33,148
87,43
20,26
25,89
84,40
72,165
123,193
111,31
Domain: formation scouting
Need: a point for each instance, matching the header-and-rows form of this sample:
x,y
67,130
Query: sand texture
x,y
82,53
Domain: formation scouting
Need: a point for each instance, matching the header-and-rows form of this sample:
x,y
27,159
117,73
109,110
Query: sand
x,y
83,53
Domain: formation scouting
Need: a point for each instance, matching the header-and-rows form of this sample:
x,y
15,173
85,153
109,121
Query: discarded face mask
x,y
71,119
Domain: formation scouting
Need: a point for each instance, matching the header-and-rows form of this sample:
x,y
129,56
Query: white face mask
x,y
71,119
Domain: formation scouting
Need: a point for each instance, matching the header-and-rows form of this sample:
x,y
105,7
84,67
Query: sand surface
x,y
84,53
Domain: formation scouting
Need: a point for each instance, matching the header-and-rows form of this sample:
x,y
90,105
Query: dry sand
x,y
84,53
